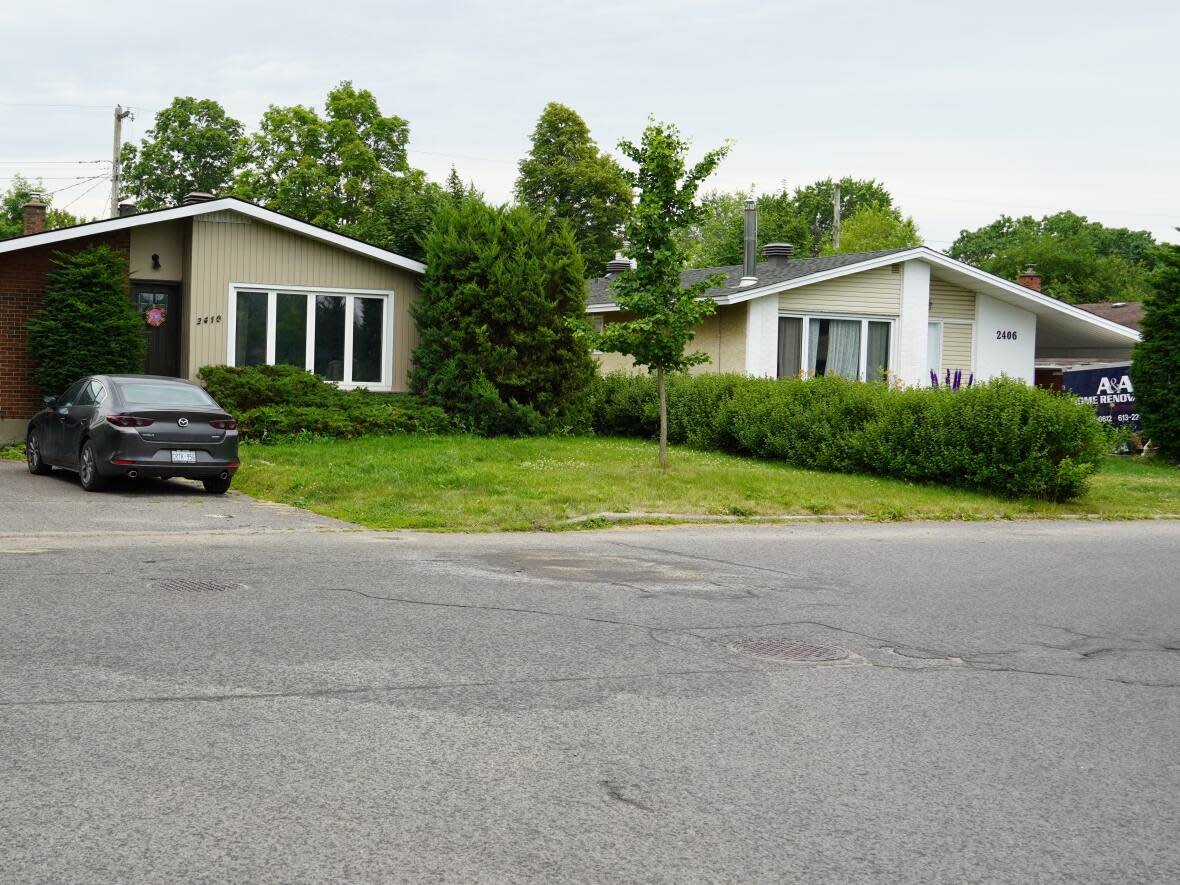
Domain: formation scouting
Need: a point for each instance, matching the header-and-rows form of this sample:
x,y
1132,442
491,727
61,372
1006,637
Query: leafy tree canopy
x,y
1079,260
873,227
802,218
565,177
12,208
1155,367
88,325
329,170
501,325
663,314
193,146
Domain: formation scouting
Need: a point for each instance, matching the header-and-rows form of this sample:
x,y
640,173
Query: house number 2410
x,y
209,319
1005,334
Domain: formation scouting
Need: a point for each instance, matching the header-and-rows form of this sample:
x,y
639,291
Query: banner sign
x,y
1109,391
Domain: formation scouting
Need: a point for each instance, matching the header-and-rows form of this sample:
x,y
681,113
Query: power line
x,y
76,184
50,162
100,181
44,177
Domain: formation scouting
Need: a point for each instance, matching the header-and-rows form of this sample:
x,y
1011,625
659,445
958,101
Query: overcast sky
x,y
964,110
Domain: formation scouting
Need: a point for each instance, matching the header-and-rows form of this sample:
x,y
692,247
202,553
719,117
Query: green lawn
x,y
461,483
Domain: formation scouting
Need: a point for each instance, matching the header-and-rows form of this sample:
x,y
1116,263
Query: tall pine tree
x,y
565,177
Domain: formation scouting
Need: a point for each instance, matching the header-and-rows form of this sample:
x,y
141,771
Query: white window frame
x,y
862,371
273,291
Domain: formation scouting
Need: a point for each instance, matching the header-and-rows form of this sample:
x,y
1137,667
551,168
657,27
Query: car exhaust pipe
x,y
224,474
133,473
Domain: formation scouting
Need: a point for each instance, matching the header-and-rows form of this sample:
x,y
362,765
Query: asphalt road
x,y
360,706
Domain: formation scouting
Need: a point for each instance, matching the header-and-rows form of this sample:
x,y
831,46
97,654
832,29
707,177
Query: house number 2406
x,y
1005,334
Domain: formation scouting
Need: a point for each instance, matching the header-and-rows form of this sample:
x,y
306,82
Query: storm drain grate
x,y
789,650
196,585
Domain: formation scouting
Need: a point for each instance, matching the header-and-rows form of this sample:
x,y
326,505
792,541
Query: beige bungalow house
x,y
899,314
225,282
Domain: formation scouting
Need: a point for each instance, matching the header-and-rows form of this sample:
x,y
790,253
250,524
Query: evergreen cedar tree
x,y
1155,368
502,334
565,177
664,314
88,325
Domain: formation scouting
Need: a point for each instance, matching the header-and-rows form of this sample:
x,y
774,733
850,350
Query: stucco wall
x,y
230,248
165,240
998,354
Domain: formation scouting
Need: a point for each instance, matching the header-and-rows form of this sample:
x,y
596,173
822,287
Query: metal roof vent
x,y
196,197
618,264
778,254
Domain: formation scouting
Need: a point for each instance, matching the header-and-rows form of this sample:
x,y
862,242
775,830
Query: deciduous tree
x,y
874,227
663,314
192,146
12,208
1079,260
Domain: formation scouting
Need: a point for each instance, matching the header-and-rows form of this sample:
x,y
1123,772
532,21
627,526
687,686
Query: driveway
x,y
290,699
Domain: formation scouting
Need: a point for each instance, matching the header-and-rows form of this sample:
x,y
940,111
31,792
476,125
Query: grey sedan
x,y
134,425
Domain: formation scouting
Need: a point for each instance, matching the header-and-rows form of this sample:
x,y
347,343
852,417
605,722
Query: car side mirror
x,y
50,401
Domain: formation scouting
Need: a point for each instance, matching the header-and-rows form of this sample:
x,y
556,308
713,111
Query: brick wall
x,y
22,285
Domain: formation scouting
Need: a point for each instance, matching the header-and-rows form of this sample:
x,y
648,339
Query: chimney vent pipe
x,y
750,244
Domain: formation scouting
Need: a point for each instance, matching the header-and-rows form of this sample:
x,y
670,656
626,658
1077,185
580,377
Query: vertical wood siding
x,y
950,302
869,293
229,248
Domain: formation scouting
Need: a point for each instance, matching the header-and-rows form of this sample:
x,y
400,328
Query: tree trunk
x,y
663,419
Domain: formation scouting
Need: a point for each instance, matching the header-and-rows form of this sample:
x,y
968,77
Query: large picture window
x,y
341,335
849,347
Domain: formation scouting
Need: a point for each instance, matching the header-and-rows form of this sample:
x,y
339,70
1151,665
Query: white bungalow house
x,y
899,313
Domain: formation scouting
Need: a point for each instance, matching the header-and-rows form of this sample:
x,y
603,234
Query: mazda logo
x,y
183,422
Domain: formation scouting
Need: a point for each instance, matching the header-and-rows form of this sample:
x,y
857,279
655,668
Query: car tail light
x,y
128,421
224,424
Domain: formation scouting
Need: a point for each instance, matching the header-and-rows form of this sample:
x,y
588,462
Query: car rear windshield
x,y
164,395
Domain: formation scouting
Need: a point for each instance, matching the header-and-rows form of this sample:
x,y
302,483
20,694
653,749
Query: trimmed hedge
x,y
280,401
1003,436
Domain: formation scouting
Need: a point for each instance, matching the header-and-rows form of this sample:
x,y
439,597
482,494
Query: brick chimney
x,y
34,215
1030,279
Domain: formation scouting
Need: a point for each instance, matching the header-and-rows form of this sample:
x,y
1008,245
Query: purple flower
x,y
933,378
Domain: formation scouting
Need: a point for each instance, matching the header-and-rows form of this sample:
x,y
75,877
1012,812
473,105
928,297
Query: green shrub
x,y
1003,436
88,325
277,401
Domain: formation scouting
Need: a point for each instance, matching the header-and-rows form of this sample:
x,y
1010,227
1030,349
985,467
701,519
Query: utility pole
x,y
836,217
120,115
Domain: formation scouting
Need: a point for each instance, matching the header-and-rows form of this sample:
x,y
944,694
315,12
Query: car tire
x,y
92,480
37,465
217,485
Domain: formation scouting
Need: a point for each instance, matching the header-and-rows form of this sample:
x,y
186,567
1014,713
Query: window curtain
x,y
813,334
790,346
843,348
878,352
934,348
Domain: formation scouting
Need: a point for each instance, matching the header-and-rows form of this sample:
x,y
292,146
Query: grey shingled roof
x,y
1125,313
796,268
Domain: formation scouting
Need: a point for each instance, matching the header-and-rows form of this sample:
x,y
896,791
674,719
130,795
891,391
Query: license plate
x,y
183,456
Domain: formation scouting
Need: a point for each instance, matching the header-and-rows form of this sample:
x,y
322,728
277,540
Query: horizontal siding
x,y
235,249
722,337
951,302
957,343
869,293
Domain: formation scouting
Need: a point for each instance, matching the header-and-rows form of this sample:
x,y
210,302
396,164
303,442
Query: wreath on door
x,y
155,315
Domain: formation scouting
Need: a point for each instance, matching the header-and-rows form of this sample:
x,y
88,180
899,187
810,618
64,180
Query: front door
x,y
158,305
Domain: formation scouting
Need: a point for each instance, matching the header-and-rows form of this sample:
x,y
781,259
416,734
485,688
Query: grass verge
x,y
464,483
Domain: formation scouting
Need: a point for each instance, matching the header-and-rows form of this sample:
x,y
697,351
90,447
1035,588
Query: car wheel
x,y
33,457
217,485
88,473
